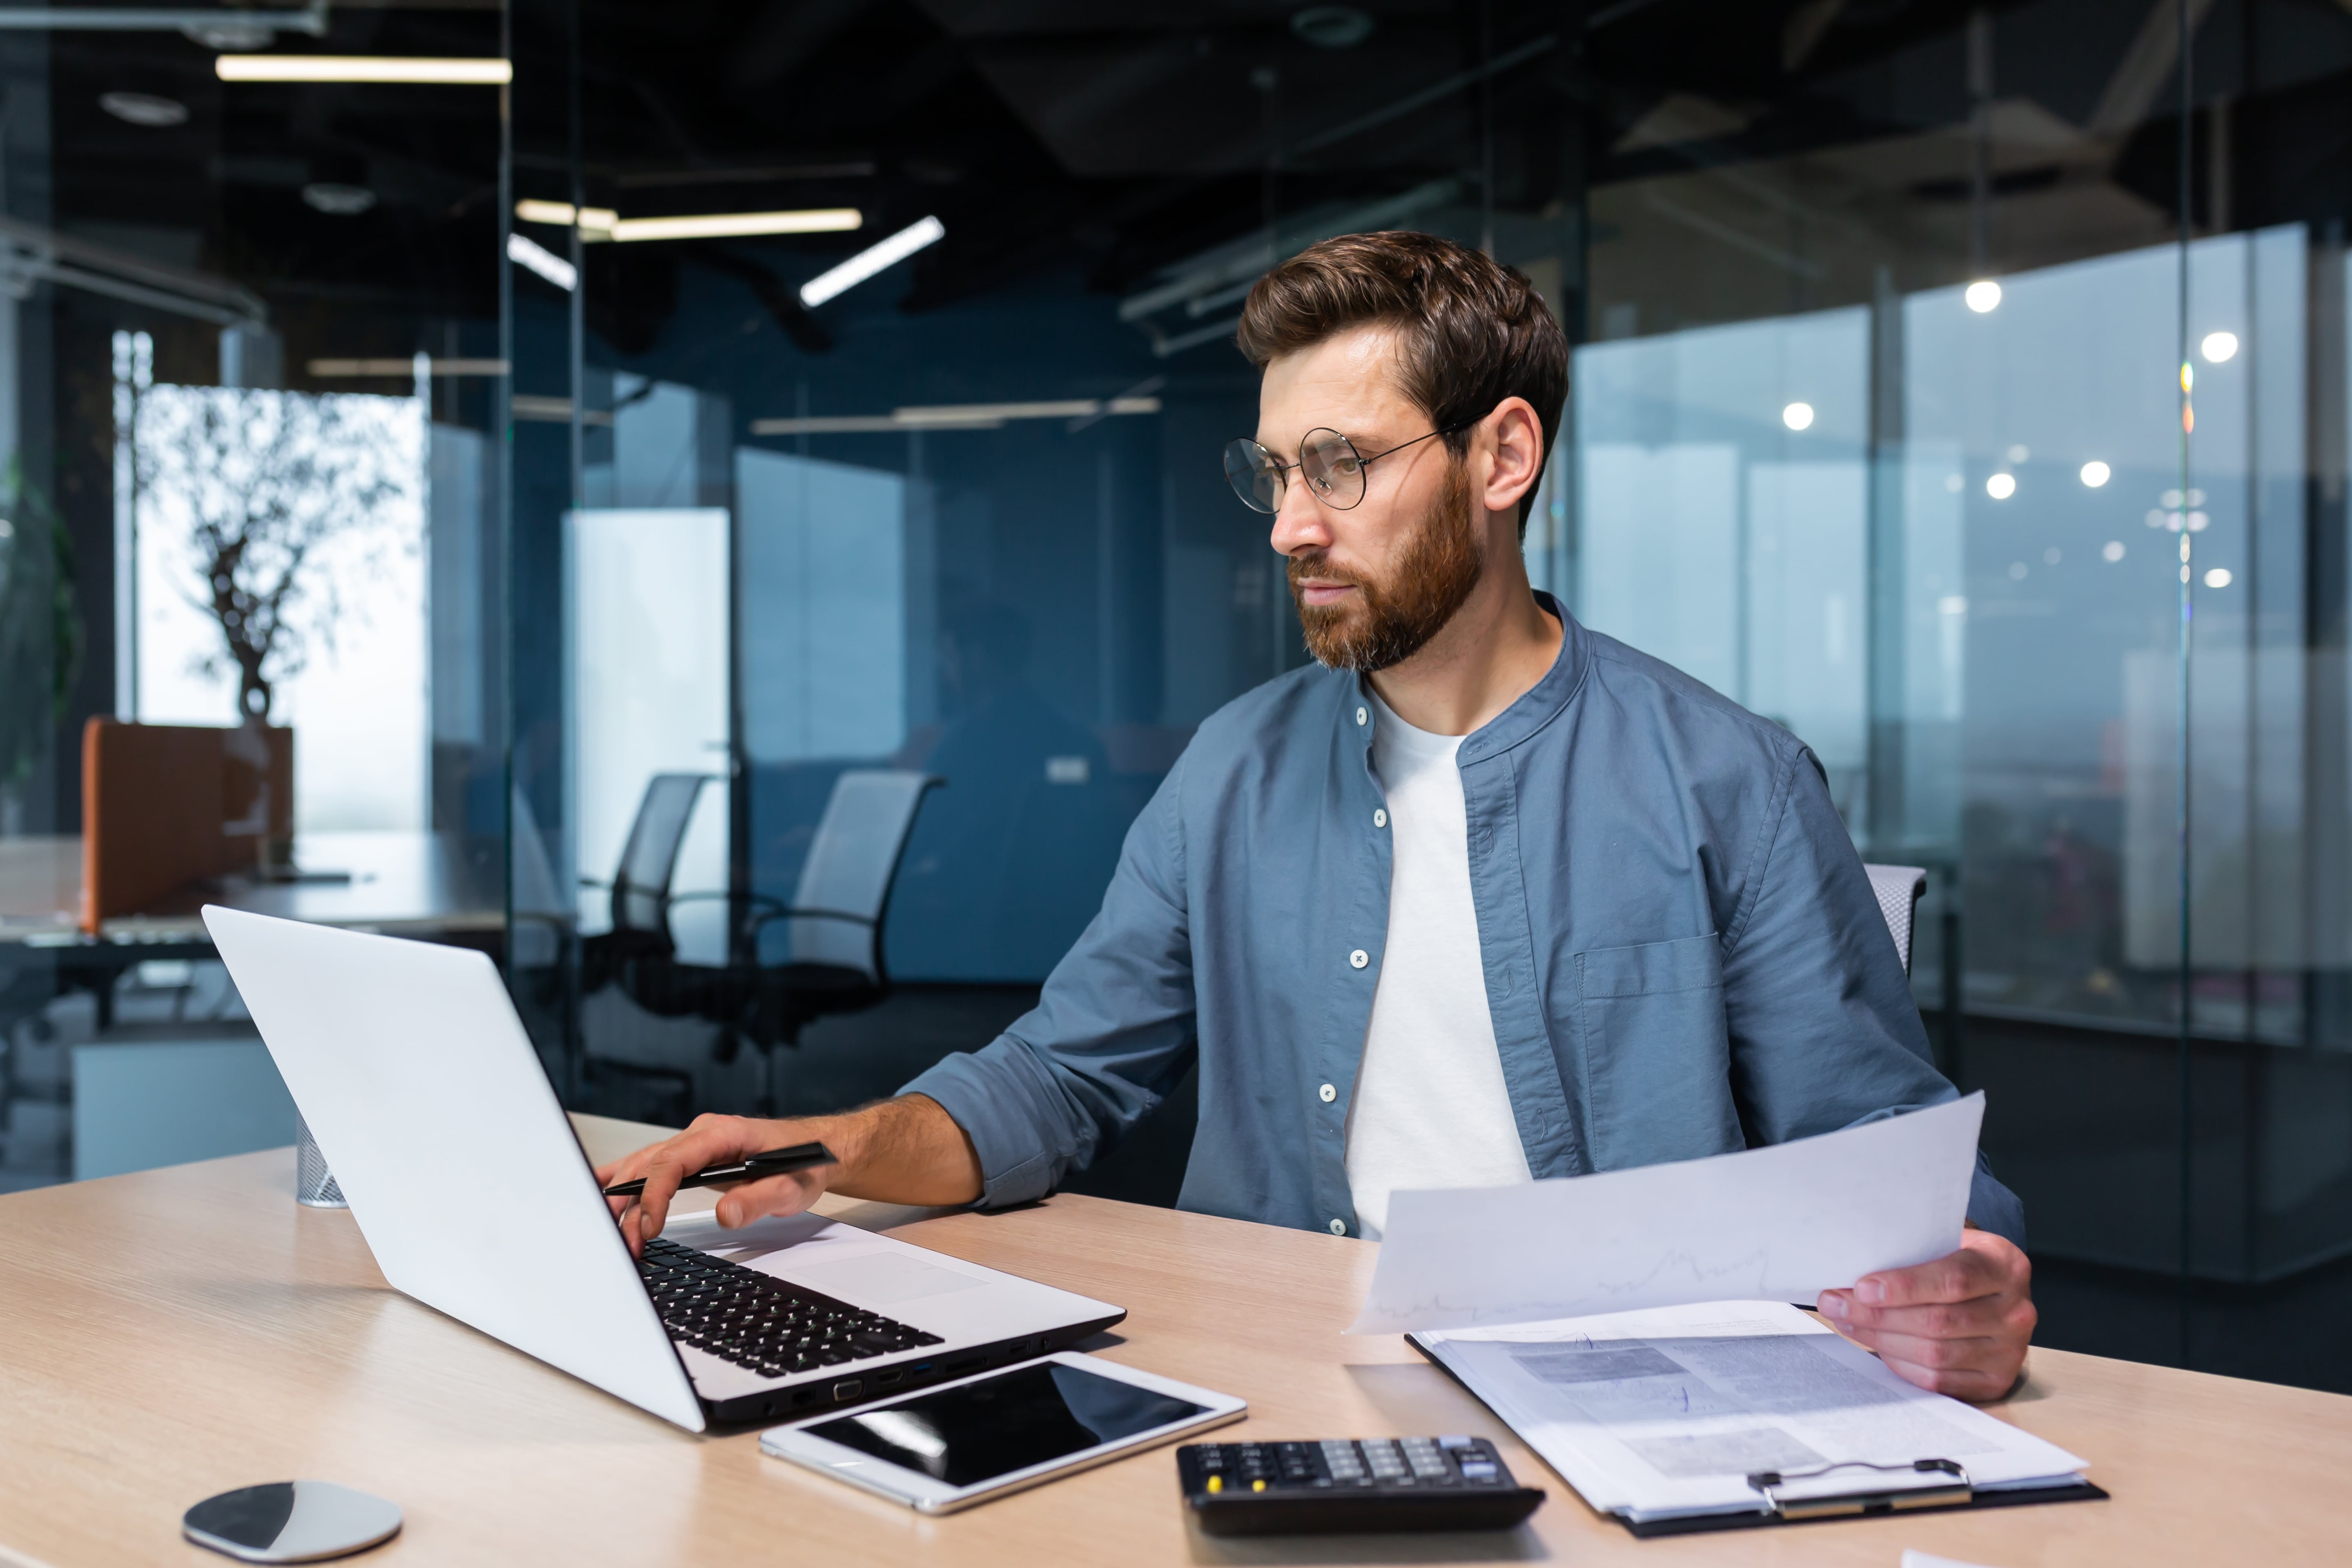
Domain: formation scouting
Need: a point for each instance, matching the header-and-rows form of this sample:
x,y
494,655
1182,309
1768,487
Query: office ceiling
x,y
1116,140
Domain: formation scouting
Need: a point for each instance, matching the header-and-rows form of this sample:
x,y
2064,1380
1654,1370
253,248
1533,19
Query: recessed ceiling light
x,y
336,200
2219,346
1797,416
2001,487
480,71
1331,27
144,108
1983,295
2096,473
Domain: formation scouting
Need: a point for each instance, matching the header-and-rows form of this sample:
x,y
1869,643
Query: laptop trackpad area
x,y
883,1280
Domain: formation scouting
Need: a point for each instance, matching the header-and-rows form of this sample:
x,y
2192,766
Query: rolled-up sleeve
x,y
1824,1031
1112,1034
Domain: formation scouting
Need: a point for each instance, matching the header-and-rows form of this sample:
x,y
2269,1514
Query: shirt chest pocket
x,y
1657,1053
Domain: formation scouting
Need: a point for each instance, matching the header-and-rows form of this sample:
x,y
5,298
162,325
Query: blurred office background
x,y
1963,386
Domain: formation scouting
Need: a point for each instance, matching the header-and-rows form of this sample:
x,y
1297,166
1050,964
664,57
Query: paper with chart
x,y
1779,1223
1667,1411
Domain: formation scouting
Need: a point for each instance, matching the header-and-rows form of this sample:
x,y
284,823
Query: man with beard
x,y
1482,896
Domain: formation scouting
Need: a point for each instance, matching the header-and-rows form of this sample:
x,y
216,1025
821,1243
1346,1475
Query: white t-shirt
x,y
1430,1109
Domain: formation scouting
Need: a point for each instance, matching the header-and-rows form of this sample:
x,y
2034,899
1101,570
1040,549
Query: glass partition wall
x,y
1962,387
251,608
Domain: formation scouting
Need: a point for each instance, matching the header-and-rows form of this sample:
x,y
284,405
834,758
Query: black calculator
x,y
1349,1484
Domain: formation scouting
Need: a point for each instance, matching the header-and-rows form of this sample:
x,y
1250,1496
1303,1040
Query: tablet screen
x,y
1029,1416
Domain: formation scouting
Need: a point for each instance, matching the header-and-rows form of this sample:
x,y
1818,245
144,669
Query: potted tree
x,y
264,481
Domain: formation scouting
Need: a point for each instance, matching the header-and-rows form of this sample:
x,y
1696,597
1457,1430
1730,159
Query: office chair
x,y
832,928
638,951
1898,889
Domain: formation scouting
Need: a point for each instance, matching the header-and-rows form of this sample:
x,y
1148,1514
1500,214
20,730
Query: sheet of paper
x,y
1668,1411
1780,1224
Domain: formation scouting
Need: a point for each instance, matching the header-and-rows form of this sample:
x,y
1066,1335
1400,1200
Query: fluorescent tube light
x,y
592,220
416,70
730,226
870,260
527,252
955,416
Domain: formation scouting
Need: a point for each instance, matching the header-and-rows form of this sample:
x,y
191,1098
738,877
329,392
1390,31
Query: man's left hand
x,y
1959,1325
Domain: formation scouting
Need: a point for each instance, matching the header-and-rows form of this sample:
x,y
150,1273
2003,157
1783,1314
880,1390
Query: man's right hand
x,y
717,1141
902,1151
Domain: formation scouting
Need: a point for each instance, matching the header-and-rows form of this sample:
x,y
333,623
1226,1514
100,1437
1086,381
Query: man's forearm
x,y
902,1151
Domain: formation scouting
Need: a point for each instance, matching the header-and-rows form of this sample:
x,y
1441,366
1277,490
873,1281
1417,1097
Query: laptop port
x,y
964,1363
848,1388
890,1380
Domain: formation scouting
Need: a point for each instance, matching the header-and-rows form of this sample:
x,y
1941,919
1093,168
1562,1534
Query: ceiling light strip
x,y
527,252
592,220
874,259
731,225
954,416
414,70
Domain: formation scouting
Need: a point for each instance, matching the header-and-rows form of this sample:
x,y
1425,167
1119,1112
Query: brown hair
x,y
1472,330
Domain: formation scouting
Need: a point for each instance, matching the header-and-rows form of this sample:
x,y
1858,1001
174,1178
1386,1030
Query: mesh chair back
x,y
641,887
1898,889
844,884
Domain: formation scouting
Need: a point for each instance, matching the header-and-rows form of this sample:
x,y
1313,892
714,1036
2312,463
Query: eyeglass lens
x,y
1254,474
1327,458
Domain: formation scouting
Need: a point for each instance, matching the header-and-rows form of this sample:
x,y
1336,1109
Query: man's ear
x,y
1518,436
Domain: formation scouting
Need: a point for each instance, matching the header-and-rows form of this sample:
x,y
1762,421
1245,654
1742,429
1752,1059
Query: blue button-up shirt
x,y
1682,955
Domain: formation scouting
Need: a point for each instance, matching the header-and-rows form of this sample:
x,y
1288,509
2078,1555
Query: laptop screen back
x,y
429,1104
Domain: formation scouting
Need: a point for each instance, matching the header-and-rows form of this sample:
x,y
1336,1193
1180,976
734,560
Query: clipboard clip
x,y
1892,1501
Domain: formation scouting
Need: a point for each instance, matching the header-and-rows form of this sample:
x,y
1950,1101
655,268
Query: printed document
x,y
1666,1413
1782,1224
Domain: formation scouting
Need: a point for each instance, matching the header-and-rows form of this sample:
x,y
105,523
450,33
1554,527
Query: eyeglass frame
x,y
1362,462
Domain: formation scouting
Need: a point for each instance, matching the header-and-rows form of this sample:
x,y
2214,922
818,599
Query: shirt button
x,y
1362,716
1328,1093
1359,958
1380,819
1338,1228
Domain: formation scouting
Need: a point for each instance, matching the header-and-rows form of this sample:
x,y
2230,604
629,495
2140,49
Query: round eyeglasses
x,y
1333,468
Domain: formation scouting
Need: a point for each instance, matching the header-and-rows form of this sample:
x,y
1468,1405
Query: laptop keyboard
x,y
760,1322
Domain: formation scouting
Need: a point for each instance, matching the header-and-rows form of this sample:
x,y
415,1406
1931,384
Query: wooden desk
x,y
173,1333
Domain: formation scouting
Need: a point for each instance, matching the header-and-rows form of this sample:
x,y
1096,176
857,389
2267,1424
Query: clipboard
x,y
1867,1502
1959,1493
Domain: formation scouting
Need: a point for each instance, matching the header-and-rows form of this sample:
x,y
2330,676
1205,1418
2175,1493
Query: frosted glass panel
x,y
647,626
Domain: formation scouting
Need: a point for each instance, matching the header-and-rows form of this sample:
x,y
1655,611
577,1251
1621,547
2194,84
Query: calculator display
x,y
1030,1415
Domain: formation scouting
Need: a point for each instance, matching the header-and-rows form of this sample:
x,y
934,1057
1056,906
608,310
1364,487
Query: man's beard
x,y
1390,621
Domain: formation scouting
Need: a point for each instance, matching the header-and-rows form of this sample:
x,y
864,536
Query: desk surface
x,y
173,1333
400,881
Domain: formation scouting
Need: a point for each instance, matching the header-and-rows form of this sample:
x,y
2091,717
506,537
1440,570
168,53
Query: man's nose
x,y
1301,524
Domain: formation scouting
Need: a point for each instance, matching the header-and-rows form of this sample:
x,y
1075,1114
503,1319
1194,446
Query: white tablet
x,y
964,1442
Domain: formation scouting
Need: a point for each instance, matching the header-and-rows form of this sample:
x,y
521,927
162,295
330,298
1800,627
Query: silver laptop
x,y
427,1098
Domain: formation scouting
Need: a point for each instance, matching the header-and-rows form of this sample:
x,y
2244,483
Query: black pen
x,y
775,1162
